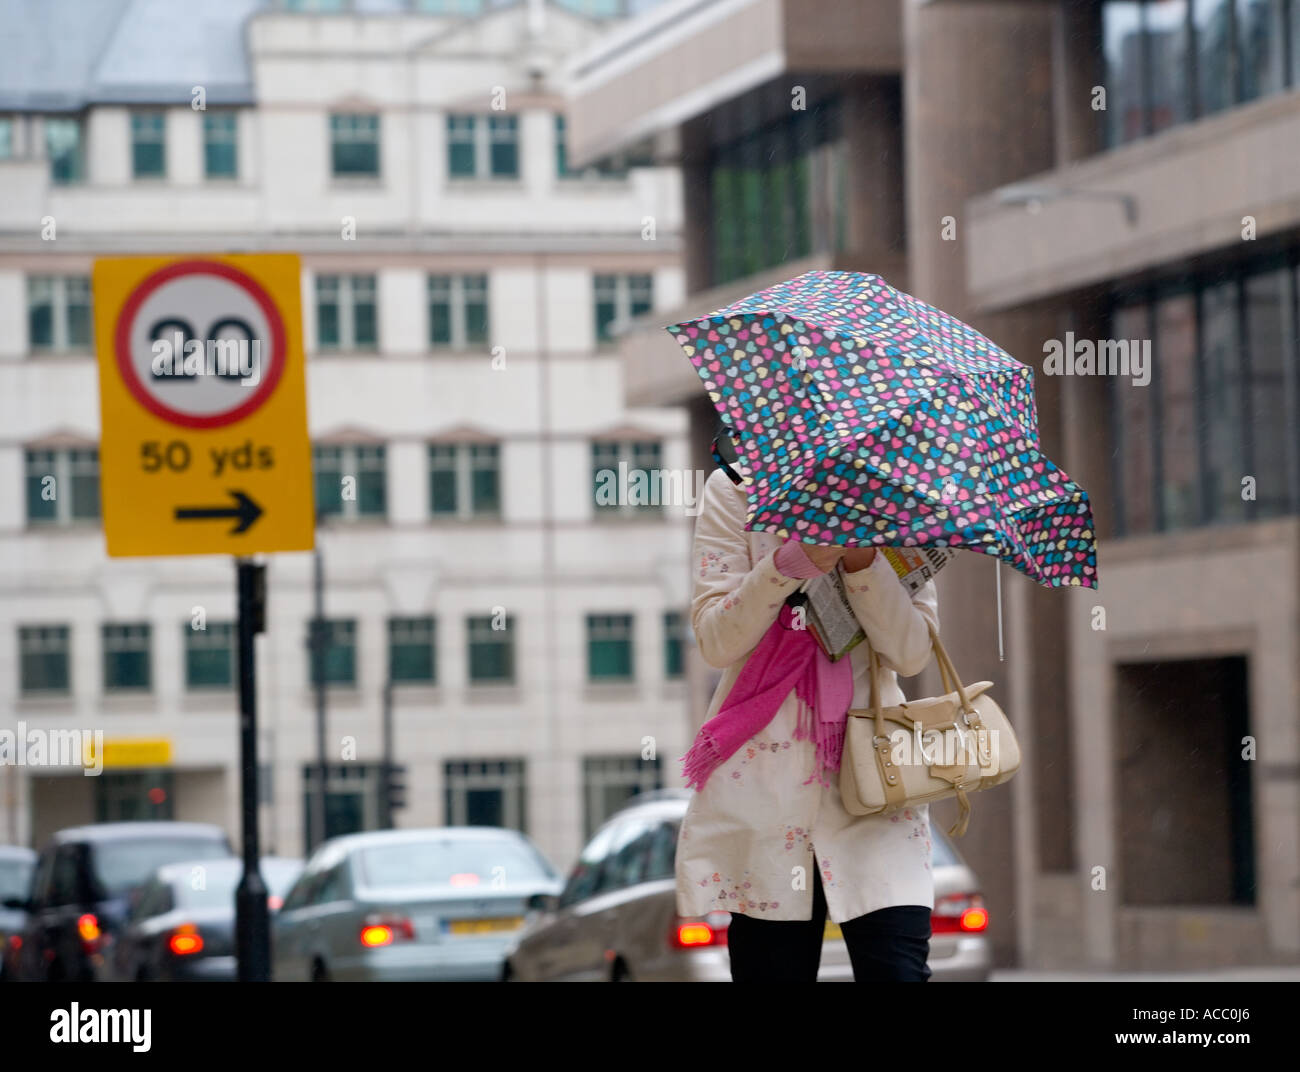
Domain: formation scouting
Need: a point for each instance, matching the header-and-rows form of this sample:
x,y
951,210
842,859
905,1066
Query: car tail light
x,y
697,932
185,940
385,930
959,913
88,930
15,942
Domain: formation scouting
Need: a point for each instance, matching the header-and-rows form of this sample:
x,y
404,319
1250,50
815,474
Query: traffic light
x,y
394,787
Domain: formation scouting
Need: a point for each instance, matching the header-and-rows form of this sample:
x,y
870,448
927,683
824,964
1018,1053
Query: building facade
x,y
462,288
1063,175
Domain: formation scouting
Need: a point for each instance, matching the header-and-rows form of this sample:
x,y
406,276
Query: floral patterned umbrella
x,y
869,418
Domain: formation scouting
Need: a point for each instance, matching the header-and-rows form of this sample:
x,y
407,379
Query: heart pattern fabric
x,y
868,418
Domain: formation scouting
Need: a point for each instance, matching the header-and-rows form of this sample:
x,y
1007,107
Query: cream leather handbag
x,y
924,750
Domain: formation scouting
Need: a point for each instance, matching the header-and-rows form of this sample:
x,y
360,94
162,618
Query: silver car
x,y
616,918
397,905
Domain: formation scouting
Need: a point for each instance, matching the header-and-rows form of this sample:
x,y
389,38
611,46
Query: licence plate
x,y
833,932
484,926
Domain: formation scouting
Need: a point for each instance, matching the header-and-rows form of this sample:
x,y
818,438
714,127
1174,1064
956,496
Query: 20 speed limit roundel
x,y
200,344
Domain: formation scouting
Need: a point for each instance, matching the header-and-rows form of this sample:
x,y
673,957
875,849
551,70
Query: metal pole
x,y
318,679
252,918
386,818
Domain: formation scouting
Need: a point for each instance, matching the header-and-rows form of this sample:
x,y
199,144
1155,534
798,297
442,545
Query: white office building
x,y
462,288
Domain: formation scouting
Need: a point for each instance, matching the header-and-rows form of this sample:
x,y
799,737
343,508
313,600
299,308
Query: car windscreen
x,y
215,886
15,879
120,866
450,862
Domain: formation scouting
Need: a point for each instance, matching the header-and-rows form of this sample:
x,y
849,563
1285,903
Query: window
x,y
1170,61
7,151
324,6
62,486
491,650
674,644
482,147
1174,353
619,298
609,647
346,312
779,192
585,876
609,782
465,480
350,481
458,310
412,650
485,793
63,146
44,659
625,477
661,863
354,146
148,145
220,145
1223,403
338,651
210,661
351,805
58,313
126,657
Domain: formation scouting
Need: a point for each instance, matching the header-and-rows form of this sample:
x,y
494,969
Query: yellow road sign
x,y
134,752
203,405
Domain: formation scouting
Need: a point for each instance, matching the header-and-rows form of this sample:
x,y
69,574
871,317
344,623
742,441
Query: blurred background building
x,y
462,287
1123,171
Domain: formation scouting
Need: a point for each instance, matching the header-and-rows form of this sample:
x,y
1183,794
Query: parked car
x,y
82,886
182,925
616,919
392,905
16,865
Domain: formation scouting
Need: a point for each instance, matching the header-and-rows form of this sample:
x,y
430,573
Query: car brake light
x,y
385,930
88,929
696,933
15,941
185,940
959,913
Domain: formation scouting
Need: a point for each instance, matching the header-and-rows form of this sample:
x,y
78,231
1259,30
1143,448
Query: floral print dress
x,y
753,835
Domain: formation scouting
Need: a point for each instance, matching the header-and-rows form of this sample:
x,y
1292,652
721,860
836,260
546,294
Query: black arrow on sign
x,y
245,511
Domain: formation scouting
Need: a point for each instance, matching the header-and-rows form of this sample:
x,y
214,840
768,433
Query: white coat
x,y
753,834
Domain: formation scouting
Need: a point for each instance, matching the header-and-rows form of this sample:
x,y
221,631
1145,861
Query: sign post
x,y
204,450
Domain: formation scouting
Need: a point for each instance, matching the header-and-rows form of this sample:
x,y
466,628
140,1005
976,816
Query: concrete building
x,y
462,287
1054,172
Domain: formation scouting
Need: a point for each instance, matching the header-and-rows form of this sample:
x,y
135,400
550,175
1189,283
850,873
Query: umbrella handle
x,y
722,463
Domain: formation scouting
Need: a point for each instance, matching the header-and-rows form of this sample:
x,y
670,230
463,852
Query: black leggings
x,y
890,945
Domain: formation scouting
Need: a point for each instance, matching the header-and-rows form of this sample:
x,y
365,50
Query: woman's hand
x,y
858,558
823,556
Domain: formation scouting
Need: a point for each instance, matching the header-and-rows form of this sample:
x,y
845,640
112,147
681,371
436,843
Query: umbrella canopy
x,y
869,418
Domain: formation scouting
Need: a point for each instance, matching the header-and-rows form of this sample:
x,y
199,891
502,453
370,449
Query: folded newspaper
x,y
828,615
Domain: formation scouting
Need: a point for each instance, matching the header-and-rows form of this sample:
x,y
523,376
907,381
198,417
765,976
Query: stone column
x,y
977,107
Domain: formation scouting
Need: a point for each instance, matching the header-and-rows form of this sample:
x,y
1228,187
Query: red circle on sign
x,y
122,343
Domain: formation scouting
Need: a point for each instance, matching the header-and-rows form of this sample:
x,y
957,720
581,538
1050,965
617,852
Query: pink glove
x,y
791,561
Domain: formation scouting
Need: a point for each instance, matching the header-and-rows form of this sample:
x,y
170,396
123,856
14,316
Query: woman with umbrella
x,y
865,418
767,837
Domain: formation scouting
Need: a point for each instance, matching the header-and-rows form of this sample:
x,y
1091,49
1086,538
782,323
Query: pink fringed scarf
x,y
786,658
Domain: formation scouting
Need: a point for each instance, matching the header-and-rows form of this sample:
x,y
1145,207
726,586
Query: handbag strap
x,y
947,673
